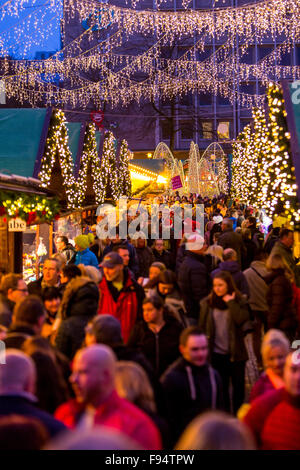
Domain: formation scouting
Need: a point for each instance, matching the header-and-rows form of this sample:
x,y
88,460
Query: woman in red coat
x,y
275,348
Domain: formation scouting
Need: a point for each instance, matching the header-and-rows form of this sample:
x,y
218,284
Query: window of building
x,y
207,130
204,99
223,130
263,51
205,54
248,88
244,123
248,57
186,130
286,58
165,130
297,55
186,100
222,101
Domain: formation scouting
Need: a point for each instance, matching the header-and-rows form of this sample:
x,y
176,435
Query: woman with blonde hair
x,y
281,313
216,431
90,271
274,350
216,252
133,384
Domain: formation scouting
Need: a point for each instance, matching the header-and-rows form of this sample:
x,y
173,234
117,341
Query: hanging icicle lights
x,y
273,17
62,78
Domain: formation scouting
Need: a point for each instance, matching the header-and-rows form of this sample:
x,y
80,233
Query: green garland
x,y
30,208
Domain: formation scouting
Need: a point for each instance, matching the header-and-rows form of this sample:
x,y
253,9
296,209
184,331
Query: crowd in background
x,y
157,344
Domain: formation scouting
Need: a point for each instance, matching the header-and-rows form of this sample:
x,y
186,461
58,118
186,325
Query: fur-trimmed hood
x,y
81,297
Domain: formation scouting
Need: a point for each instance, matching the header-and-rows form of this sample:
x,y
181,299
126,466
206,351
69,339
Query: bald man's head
x,y
229,255
291,374
93,377
18,374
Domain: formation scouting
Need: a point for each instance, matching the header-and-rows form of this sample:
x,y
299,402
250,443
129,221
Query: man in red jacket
x,y
120,295
97,402
274,418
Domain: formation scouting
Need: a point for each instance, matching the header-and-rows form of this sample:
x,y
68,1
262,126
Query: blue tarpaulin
x,y
20,135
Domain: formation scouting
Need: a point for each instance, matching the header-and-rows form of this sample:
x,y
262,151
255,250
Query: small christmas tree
x,y
260,144
109,172
242,165
223,177
124,180
57,148
90,158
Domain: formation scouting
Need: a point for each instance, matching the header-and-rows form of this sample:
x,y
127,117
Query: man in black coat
x,y
79,305
157,335
65,248
194,274
28,319
13,289
145,257
162,255
190,385
231,239
17,388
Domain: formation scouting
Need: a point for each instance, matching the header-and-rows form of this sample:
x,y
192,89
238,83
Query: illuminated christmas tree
x,y
124,180
242,165
90,162
279,183
109,173
57,149
223,177
261,143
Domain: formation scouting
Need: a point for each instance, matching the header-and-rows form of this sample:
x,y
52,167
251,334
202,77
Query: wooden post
x,y
51,240
37,270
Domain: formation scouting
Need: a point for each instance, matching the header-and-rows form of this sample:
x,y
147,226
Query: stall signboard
x,y
16,225
176,182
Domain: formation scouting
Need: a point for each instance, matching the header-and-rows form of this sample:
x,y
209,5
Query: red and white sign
x,y
97,117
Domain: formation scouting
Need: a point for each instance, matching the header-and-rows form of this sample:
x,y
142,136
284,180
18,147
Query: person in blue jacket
x,y
83,254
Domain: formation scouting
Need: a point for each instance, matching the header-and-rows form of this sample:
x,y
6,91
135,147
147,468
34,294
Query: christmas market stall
x,y
26,215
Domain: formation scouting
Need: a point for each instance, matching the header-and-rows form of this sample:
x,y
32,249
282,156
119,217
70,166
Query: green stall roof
x,y
98,135
74,135
20,136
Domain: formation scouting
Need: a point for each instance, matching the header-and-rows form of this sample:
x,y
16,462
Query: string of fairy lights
x,y
109,179
68,76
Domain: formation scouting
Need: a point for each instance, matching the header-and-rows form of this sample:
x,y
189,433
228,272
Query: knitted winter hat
x,y
82,241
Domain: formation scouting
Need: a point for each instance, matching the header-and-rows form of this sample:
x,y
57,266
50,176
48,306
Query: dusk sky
x,y
21,38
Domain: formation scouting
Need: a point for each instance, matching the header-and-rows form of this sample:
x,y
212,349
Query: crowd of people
x,y
157,344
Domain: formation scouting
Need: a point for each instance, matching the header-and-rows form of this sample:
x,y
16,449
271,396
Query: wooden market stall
x,y
27,212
